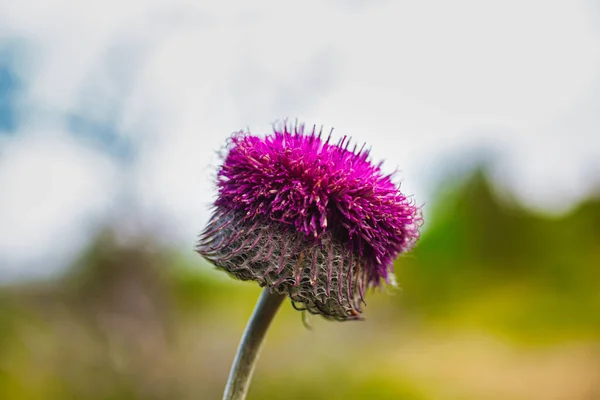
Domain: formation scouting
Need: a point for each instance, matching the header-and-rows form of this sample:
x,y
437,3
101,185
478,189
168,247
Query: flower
x,y
309,219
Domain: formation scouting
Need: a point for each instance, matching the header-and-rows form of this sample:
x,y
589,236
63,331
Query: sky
x,y
112,108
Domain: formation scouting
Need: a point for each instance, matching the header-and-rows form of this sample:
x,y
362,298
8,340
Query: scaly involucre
x,y
308,218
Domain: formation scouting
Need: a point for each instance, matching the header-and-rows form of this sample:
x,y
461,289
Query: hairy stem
x,y
250,345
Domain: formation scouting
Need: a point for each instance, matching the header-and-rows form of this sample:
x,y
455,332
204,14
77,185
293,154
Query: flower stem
x,y
250,345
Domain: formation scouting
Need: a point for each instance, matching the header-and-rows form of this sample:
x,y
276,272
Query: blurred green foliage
x,y
499,266
494,295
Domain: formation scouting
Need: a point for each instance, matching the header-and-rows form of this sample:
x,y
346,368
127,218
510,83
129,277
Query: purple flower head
x,y
308,218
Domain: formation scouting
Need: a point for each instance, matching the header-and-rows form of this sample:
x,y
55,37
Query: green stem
x,y
250,345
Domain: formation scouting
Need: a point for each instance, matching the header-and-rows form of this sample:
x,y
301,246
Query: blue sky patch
x,y
10,86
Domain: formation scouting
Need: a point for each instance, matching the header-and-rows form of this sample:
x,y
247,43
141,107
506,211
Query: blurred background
x,y
111,117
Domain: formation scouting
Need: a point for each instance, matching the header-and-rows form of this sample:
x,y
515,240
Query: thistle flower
x,y
308,219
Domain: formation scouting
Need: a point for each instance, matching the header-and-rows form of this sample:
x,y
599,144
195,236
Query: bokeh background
x,y
111,117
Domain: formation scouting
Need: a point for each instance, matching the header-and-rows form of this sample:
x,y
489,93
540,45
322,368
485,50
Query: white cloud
x,y
416,80
51,189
